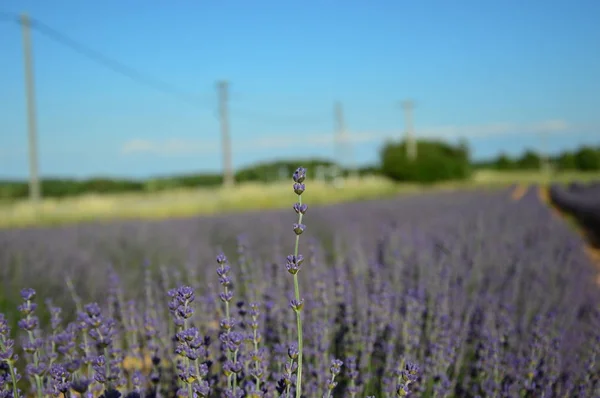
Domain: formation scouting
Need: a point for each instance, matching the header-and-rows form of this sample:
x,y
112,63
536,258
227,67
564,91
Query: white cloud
x,y
496,129
171,147
179,147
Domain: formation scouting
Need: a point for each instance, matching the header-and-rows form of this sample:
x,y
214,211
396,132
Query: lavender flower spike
x,y
336,368
294,262
7,354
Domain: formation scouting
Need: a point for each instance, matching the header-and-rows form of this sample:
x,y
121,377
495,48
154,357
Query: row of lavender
x,y
581,200
452,295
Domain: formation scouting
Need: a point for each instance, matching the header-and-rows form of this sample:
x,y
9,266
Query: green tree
x,y
566,161
529,160
503,162
587,159
436,161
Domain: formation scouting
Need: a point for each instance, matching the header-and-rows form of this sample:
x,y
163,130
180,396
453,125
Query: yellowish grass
x,y
532,177
244,197
188,202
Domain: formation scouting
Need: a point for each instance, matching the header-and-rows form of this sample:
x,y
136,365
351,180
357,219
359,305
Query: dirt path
x,y
592,251
519,191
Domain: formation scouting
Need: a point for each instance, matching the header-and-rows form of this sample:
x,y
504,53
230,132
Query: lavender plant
x,y
8,359
294,262
449,295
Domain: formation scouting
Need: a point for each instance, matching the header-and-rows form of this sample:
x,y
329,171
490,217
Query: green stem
x,y
298,316
107,368
13,376
106,362
235,374
187,360
289,386
228,354
11,370
38,379
352,385
328,389
257,362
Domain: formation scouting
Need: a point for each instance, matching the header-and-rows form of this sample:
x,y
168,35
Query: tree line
x,y
585,158
435,161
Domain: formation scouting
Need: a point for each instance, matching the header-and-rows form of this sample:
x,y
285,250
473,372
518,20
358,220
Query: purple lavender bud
x,y
93,310
31,346
293,352
36,370
293,263
227,324
80,385
299,228
111,393
254,311
228,368
60,379
185,312
201,388
29,324
300,208
27,308
4,328
297,305
336,367
27,294
223,270
221,259
298,260
55,313
225,280
99,366
411,372
402,390
6,344
299,175
235,339
299,188
186,293
351,366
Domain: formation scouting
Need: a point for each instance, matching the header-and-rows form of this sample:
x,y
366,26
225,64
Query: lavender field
x,y
463,294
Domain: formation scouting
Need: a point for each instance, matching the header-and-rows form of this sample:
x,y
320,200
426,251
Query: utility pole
x,y
345,155
544,155
228,178
34,182
411,146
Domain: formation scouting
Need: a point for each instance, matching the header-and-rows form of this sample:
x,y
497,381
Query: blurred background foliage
x,y
437,161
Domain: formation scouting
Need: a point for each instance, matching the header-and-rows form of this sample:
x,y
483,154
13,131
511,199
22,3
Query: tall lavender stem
x,y
7,354
293,266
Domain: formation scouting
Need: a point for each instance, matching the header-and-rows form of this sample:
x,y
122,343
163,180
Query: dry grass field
x,y
244,197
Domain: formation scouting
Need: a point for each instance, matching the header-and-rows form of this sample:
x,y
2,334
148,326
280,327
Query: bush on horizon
x,y
436,161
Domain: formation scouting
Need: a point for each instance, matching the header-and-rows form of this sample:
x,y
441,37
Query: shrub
x,y
436,161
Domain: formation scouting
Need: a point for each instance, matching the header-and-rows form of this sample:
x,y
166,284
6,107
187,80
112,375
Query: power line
x,y
8,17
295,119
109,62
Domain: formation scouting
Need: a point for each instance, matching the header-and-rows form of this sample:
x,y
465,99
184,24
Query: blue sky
x,y
498,72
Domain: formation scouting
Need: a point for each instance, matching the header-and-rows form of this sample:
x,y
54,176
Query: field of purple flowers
x,y
435,295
